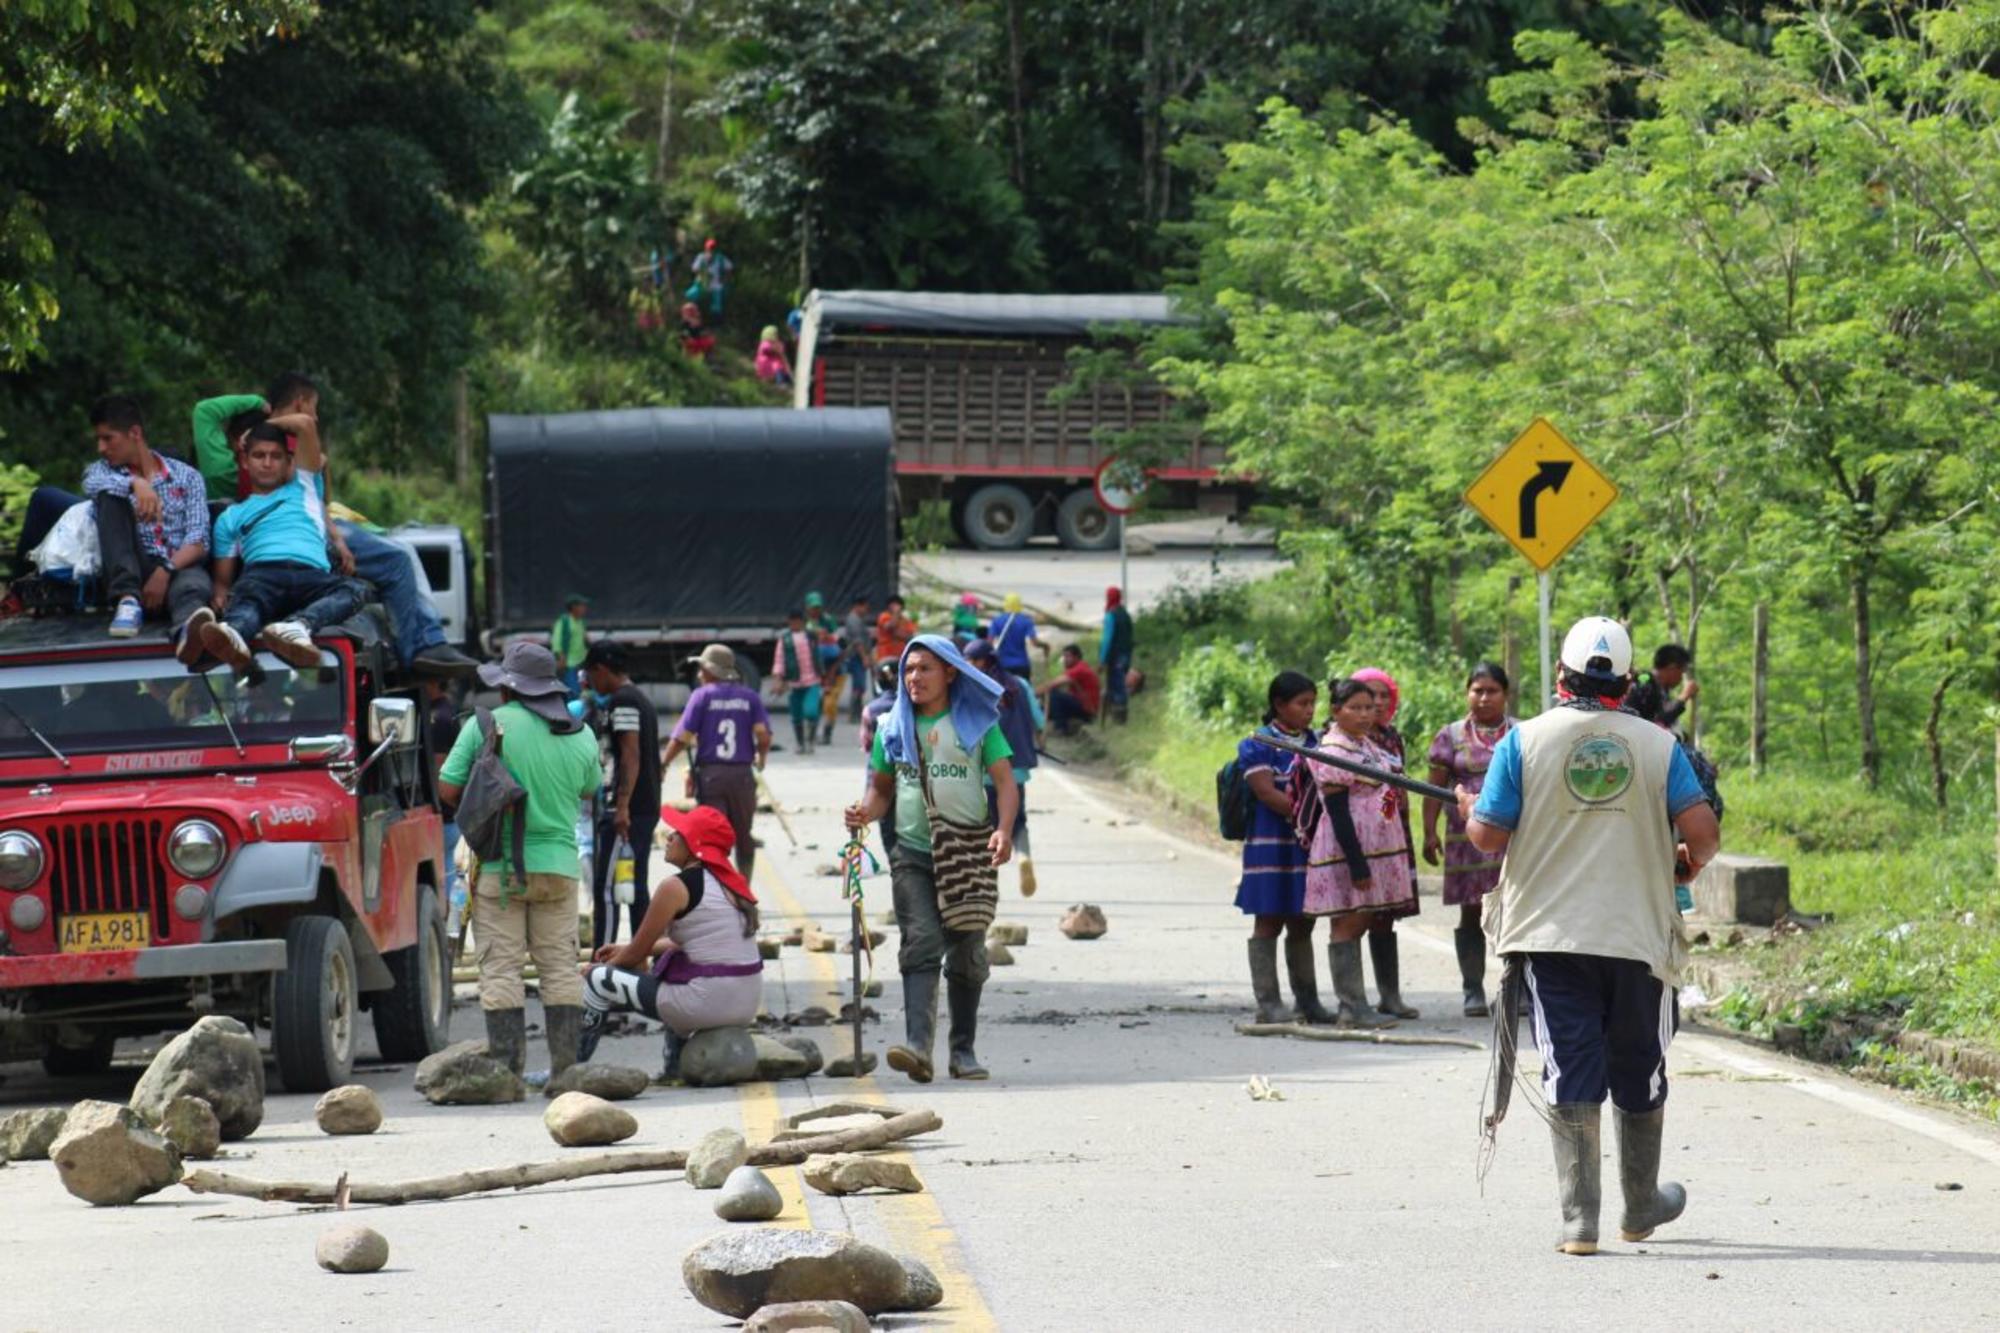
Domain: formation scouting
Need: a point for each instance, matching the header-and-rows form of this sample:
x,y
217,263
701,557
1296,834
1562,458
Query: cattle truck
x,y
972,383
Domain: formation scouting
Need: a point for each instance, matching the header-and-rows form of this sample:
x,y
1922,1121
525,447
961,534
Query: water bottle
x,y
622,873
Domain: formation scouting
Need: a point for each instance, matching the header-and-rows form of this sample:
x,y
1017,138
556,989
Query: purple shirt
x,y
722,719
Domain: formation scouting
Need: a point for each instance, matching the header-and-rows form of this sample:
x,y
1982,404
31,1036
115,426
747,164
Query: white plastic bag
x,y
70,549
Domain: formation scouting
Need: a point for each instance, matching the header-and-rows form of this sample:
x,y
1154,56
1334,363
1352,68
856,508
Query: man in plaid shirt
x,y
152,522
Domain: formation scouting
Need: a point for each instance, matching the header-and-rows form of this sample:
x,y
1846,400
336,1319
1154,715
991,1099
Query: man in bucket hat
x,y
554,759
729,731
702,924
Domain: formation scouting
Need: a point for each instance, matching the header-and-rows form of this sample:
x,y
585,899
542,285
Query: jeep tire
x,y
60,1061
316,1006
414,1020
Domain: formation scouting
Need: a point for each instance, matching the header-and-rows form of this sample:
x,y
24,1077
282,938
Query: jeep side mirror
x,y
321,749
392,721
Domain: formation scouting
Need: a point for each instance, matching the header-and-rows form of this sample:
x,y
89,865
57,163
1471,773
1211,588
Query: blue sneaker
x,y
125,622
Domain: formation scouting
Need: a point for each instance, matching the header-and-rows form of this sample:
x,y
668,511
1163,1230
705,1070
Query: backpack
x,y
490,795
1706,774
1234,801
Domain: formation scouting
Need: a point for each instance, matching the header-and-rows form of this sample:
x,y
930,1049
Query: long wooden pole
x,y
1760,670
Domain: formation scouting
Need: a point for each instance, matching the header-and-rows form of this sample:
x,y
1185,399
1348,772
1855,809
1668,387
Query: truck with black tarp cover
x,y
686,526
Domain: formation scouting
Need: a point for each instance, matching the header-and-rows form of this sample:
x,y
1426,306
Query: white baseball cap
x,y
1597,638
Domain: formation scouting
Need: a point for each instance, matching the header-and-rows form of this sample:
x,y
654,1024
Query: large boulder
x,y
25,1136
189,1124
579,1120
348,1109
351,1249
748,1196
739,1271
711,1160
808,1317
107,1155
216,1060
715,1057
463,1074
851,1173
780,1059
614,1083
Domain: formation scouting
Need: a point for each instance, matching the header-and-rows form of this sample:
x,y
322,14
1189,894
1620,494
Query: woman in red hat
x,y
693,963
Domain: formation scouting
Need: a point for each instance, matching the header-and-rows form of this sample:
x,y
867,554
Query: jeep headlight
x,y
196,848
20,859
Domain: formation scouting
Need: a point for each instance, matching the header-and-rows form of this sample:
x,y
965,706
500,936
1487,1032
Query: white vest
x,y
1590,868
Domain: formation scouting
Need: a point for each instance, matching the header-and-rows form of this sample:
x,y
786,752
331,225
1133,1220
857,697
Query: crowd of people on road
x,y
1326,841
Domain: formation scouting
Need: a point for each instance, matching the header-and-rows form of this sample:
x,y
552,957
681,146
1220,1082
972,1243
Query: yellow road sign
x,y
1541,494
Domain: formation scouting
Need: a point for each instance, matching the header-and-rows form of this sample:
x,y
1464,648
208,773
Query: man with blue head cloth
x,y
934,755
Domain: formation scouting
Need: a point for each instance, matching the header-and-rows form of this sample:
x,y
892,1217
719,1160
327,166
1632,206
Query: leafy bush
x,y
1430,683
1222,685
17,483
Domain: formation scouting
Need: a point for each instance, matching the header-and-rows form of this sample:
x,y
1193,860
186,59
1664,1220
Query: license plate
x,y
96,932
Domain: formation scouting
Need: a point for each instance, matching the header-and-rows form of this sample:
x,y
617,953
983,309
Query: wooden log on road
x,y
889,1128
1371,1037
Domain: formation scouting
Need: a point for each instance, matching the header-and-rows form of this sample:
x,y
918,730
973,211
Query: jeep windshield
x,y
158,704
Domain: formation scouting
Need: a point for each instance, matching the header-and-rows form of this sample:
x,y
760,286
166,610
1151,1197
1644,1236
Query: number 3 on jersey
x,y
725,739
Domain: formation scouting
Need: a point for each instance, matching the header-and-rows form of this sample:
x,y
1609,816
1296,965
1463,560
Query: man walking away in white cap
x,y
726,726
554,759
1588,801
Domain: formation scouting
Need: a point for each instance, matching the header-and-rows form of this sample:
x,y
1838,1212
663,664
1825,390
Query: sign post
x,y
1541,494
1120,485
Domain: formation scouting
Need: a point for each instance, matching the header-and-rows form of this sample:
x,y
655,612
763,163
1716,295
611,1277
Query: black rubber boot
x,y
913,1057
963,999
1574,1129
1471,942
507,1037
1648,1203
1264,981
1388,959
565,1032
1304,977
1343,957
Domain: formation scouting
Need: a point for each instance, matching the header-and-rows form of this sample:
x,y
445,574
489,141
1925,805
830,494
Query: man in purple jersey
x,y
726,726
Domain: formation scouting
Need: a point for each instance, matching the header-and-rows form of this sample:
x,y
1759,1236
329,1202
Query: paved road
x,y
1114,1174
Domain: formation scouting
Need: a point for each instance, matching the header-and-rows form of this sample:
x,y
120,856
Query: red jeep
x,y
175,844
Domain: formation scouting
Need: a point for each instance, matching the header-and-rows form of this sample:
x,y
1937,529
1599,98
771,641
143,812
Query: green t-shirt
x,y
557,771
958,784
566,640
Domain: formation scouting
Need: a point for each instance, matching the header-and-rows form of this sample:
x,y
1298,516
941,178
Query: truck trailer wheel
x,y
999,518
414,1020
1082,524
316,1006
60,1061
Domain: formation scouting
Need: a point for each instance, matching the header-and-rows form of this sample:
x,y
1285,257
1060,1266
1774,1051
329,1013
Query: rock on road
x,y
1115,1173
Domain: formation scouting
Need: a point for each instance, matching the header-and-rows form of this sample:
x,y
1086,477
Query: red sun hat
x,y
708,834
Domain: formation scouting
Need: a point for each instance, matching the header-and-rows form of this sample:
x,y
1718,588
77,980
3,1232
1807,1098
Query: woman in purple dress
x,y
1459,758
1357,854
1272,891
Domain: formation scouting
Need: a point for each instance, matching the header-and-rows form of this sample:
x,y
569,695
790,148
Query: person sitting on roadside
x,y
152,523
1074,696
693,962
773,366
696,341
277,541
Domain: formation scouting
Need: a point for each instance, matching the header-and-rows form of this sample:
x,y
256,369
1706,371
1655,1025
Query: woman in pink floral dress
x,y
1357,852
1459,757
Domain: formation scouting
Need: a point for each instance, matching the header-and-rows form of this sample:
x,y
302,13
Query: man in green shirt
x,y
568,639
946,718
554,758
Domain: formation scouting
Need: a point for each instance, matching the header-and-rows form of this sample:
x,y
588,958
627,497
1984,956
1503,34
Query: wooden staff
x,y
1409,784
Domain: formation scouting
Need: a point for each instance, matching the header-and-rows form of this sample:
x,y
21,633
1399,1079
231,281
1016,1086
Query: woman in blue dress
x,y
1273,888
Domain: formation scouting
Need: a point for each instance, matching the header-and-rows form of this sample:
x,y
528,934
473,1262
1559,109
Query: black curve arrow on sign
x,y
1548,477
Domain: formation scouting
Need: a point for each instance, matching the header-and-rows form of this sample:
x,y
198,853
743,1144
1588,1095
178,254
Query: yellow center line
x,y
915,1222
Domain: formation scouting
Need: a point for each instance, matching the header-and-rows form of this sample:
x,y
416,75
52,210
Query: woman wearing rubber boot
x,y
1272,890
1587,801
1357,857
1383,951
1460,754
693,962
934,753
